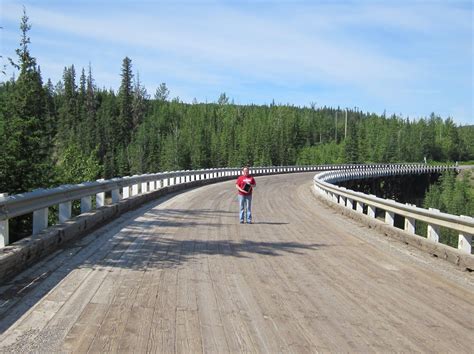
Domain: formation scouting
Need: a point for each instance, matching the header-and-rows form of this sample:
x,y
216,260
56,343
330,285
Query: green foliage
x,y
125,104
26,149
351,145
451,195
75,166
162,93
330,153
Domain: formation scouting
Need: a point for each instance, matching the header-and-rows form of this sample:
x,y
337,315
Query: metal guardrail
x,y
324,183
39,201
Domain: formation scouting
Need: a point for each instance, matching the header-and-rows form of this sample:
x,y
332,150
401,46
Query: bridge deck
x,y
181,275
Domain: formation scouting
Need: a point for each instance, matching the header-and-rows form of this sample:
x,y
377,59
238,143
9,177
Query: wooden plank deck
x,y
182,275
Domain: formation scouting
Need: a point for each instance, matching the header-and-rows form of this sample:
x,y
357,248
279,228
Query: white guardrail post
x,y
465,239
116,195
433,229
100,197
65,211
371,209
40,220
389,217
350,203
135,190
4,231
126,192
410,223
86,204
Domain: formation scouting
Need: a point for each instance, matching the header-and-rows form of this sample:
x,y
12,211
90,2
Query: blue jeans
x,y
245,203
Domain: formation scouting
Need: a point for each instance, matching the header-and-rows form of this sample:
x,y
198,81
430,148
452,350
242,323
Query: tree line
x,y
74,131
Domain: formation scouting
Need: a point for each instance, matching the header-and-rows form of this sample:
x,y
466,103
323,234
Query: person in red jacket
x,y
245,185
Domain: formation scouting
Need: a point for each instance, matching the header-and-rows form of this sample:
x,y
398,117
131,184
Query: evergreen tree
x,y
26,147
107,132
162,93
450,141
6,110
76,166
90,127
139,103
124,123
125,101
51,114
351,144
68,113
466,147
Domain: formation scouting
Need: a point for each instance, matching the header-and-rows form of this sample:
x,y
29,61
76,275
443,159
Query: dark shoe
x,y
249,222
241,221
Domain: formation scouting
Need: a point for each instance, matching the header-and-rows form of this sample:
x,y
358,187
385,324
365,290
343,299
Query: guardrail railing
x,y
324,183
39,201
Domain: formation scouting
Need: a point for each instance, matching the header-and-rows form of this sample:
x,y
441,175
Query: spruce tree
x,y
162,93
351,144
125,100
26,147
90,135
139,103
68,112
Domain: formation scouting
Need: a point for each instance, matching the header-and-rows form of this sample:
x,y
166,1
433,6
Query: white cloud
x,y
232,40
331,45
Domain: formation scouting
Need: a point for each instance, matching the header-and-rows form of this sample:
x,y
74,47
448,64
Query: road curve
x,y
182,275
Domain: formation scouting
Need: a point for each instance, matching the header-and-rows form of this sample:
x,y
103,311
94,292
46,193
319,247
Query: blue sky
x,y
409,58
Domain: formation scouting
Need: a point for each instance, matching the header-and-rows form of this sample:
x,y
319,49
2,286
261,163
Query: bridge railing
x,y
324,183
40,201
